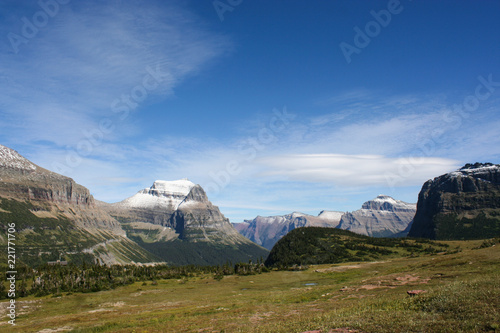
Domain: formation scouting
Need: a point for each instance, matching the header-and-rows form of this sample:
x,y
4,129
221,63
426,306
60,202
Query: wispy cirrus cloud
x,y
91,54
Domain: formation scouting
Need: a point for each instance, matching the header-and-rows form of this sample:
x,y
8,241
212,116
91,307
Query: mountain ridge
x,y
60,218
267,230
382,216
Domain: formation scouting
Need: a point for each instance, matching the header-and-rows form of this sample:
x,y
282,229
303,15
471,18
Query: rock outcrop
x,y
380,217
464,204
23,180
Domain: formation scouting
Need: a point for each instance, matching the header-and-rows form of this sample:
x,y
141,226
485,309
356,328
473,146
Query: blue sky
x,y
271,106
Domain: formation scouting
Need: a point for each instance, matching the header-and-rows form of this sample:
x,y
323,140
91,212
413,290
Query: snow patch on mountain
x,y
475,170
175,187
162,193
10,158
385,198
298,214
386,203
330,215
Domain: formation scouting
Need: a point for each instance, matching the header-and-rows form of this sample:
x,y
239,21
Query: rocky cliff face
x,y
20,178
55,216
463,204
23,180
380,217
267,230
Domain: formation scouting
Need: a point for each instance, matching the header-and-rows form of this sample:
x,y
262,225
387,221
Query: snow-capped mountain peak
x,y
385,198
174,187
385,202
297,214
10,158
167,194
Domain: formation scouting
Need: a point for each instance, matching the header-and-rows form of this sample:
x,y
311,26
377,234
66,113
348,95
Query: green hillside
x,y
315,245
39,240
485,224
164,243
42,239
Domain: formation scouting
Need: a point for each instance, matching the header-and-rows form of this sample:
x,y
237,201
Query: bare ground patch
x,y
393,281
54,330
344,268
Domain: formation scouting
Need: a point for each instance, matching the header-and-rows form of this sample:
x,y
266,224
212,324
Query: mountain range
x,y
267,230
381,217
56,218
459,205
174,222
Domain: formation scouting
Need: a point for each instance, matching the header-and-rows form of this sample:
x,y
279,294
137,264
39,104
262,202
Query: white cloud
x,y
356,170
315,163
304,161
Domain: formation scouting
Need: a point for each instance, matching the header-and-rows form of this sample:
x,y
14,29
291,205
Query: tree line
x,y
57,279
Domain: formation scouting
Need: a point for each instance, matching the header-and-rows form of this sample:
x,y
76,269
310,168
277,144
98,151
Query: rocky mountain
x,y
464,204
176,221
267,230
57,218
380,217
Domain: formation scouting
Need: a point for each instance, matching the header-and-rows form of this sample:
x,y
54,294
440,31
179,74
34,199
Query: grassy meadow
x,y
462,295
